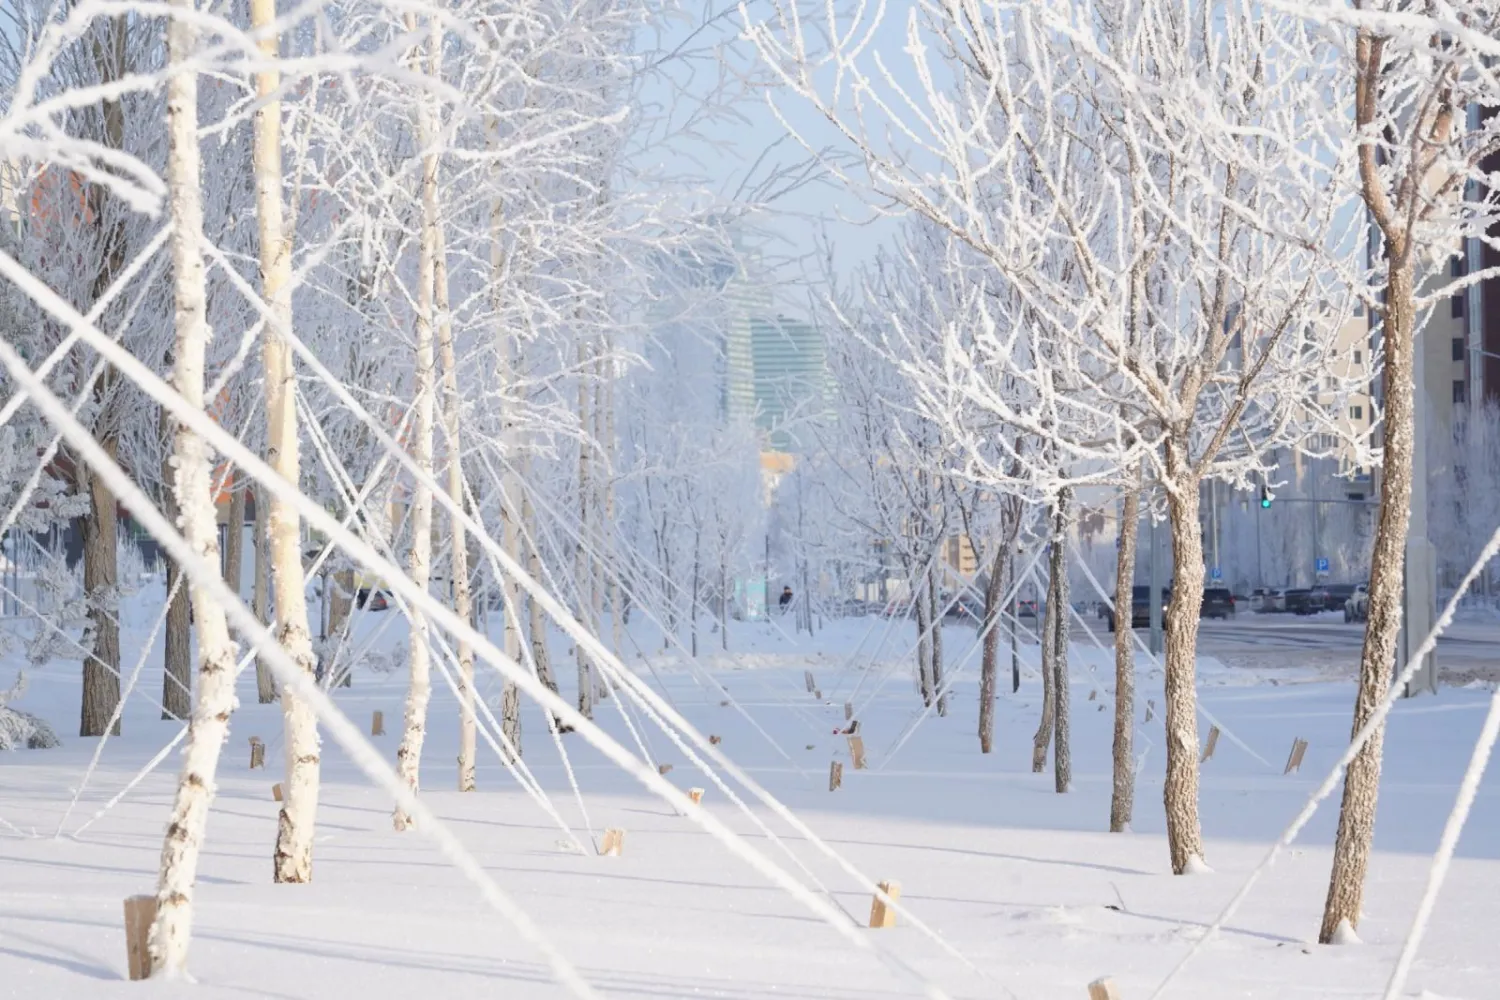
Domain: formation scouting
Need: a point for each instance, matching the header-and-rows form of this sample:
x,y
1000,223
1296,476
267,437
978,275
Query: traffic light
x,y
1265,498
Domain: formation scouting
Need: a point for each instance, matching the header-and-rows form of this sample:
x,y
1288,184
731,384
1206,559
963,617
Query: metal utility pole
x,y
1260,572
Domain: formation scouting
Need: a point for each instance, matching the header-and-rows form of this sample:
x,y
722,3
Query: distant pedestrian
x,y
786,599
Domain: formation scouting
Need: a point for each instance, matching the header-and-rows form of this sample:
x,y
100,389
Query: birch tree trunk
x,y
299,808
1062,756
994,593
177,638
1351,852
1184,833
537,620
193,487
265,682
693,595
924,638
512,513
340,618
463,605
1122,797
936,614
582,576
597,533
234,536
101,669
419,556
1043,737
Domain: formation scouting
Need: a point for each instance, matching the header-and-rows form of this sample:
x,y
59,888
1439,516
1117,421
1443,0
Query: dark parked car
x,y
1218,602
1303,601
1140,607
1332,597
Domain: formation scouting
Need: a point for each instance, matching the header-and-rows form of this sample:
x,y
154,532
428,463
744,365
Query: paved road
x,y
1468,651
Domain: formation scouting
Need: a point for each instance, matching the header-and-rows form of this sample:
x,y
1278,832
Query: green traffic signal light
x,y
1265,498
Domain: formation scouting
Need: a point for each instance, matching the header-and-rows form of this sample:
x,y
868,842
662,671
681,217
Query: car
x,y
968,607
1357,607
1303,601
1332,596
1140,607
1218,602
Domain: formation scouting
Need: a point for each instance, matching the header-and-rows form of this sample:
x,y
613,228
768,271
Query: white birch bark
x,y
193,488
298,817
463,604
419,556
507,349
582,572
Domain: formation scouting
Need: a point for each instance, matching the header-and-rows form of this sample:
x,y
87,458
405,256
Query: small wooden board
x,y
612,845
1294,762
857,751
1104,989
835,776
882,914
1212,745
140,914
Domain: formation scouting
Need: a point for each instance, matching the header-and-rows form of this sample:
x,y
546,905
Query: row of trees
x,y
416,259
1136,230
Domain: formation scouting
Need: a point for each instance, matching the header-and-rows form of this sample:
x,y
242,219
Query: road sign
x,y
1322,565
1216,574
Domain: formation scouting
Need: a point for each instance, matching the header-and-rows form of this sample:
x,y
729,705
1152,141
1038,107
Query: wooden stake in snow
x,y
818,695
1093,695
663,768
276,791
613,843
377,724
257,753
811,687
882,914
696,794
857,751
1213,743
715,740
835,776
1294,762
140,913
1104,989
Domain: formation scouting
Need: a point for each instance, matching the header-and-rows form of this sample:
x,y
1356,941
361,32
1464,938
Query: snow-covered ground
x,y
1018,880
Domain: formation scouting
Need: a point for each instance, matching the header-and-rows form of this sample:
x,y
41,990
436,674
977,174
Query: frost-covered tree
x,y
1415,80
1152,281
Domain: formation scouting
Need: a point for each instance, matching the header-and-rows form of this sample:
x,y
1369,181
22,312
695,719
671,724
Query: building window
x,y
1359,357
1458,346
1460,391
1458,305
1357,412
